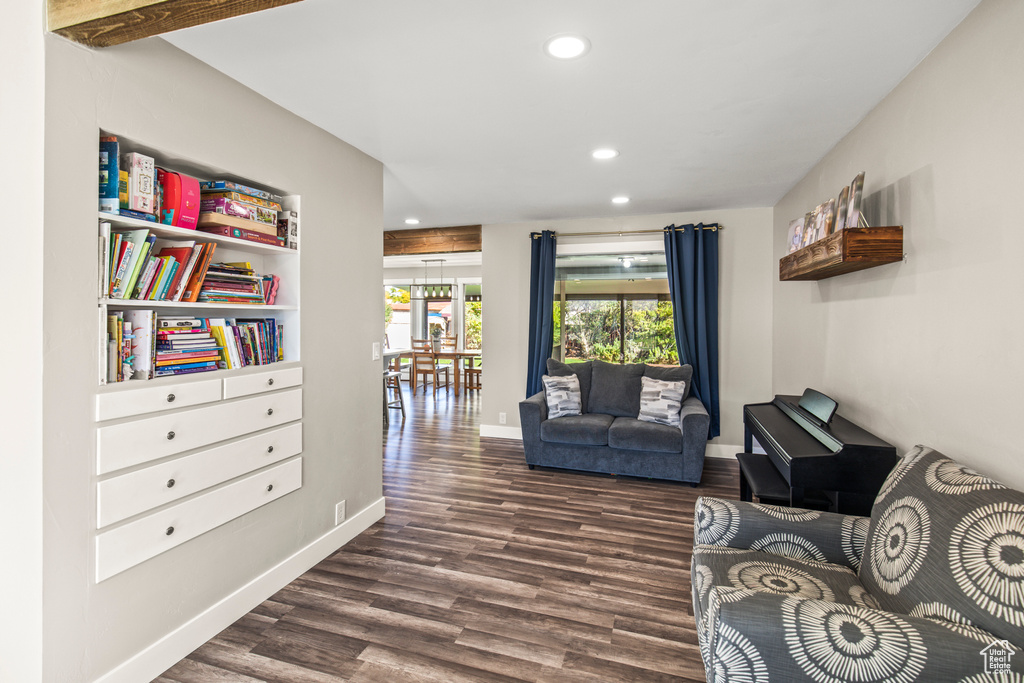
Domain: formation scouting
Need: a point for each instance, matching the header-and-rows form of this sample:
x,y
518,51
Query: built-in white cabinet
x,y
168,473
176,457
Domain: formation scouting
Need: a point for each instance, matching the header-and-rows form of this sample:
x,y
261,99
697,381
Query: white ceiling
x,y
712,103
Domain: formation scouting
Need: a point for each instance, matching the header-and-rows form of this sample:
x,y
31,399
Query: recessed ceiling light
x,y
605,153
620,200
567,46
412,221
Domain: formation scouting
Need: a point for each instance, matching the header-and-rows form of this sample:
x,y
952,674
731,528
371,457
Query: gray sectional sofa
x,y
607,437
930,587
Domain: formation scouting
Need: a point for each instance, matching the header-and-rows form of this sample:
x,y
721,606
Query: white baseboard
x,y
166,652
501,432
722,450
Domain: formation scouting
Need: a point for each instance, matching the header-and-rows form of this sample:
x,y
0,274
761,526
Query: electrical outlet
x,y
502,419
339,513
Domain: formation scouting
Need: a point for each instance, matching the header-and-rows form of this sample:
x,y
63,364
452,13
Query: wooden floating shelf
x,y
844,252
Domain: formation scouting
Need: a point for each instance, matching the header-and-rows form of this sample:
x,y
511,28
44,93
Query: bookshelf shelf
x,y
170,232
184,305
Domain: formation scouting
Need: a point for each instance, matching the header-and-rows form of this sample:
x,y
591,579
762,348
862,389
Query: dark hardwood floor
x,y
484,570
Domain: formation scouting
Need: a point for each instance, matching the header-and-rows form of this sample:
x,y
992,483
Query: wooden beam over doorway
x,y
456,239
102,23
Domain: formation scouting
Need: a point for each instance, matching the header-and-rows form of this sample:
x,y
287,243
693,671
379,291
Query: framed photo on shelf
x,y
829,219
856,196
810,227
841,208
796,235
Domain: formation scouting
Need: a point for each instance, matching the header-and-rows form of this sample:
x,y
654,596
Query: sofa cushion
x,y
585,430
615,389
582,372
660,401
562,395
946,541
671,373
632,434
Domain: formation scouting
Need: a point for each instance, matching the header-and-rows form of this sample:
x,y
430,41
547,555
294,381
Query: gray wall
x,y
155,94
744,318
21,400
927,351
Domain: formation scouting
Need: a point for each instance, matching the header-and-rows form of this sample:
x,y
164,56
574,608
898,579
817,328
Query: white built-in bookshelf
x,y
266,259
178,456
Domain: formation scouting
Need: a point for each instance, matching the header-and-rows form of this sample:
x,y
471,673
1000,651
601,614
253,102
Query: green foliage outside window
x,y
594,330
473,324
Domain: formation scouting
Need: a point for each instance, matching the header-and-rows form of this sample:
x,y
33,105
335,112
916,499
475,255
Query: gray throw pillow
x,y
563,395
582,370
661,401
672,373
615,389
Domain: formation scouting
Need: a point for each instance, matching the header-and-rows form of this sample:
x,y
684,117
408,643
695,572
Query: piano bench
x,y
759,477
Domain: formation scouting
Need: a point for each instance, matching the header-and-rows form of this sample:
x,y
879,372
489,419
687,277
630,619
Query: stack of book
x,y
185,346
236,210
140,266
233,283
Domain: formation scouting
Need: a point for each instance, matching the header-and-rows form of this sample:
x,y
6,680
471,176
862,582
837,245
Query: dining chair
x,y
473,372
424,364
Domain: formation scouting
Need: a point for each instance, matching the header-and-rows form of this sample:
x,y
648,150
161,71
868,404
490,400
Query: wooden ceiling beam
x,y
102,23
452,240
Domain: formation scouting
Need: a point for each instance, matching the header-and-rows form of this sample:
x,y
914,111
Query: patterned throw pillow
x,y
660,401
563,394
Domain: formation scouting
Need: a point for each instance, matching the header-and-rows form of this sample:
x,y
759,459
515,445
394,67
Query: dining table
x,y
456,355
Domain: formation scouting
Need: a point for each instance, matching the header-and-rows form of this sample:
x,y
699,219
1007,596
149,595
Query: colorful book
x,y
122,267
178,288
146,277
195,281
143,325
109,174
138,240
141,178
228,185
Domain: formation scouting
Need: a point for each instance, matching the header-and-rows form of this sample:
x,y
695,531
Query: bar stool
x,y
391,380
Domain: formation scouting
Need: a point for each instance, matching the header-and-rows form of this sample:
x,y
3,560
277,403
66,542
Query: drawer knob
x,y
170,530
170,483
270,449
170,398
270,487
270,382
270,411
170,435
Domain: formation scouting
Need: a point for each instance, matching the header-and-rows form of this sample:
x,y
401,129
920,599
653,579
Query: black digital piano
x,y
813,457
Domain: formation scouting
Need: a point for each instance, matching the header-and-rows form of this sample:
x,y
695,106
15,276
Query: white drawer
x,y
152,399
139,441
271,380
129,494
127,546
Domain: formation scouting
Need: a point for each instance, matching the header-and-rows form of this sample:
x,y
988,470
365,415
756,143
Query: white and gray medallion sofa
x,y
930,587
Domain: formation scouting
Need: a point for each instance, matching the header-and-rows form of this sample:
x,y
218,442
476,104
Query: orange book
x,y
195,280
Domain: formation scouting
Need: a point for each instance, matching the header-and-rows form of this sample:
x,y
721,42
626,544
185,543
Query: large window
x,y
614,308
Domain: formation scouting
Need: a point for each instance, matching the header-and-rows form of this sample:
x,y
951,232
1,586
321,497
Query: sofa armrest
x,y
793,532
749,632
532,412
694,422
